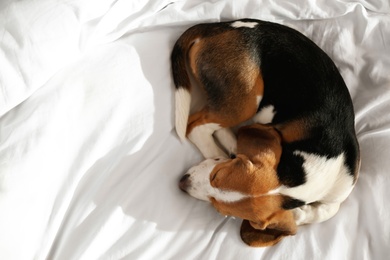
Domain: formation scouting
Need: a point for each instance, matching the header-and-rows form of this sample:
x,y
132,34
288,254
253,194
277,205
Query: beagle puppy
x,y
300,158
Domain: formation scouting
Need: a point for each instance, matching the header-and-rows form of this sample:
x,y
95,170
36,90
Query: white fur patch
x,y
201,188
238,24
227,139
182,106
315,213
202,137
258,100
327,180
200,183
265,115
227,196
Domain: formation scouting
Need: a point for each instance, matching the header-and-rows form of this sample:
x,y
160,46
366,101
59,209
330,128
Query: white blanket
x,y
89,159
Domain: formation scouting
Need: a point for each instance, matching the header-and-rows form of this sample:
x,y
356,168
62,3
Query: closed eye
x,y
213,176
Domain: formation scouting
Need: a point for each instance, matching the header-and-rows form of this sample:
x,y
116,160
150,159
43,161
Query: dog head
x,y
246,186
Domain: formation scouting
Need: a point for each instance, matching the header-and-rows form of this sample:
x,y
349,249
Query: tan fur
x,y
248,76
255,173
259,146
193,54
225,64
293,131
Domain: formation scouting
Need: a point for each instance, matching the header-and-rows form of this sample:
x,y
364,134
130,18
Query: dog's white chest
x,y
327,180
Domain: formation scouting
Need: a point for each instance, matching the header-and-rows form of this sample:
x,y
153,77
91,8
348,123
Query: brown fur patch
x,y
267,234
293,131
258,141
241,175
256,209
230,66
193,55
253,171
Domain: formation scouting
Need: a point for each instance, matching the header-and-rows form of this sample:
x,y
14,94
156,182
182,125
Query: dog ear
x,y
270,232
257,140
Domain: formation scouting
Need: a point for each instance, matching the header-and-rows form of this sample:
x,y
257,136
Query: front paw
x,y
300,215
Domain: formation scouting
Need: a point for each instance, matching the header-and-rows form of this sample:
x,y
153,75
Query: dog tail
x,y
179,58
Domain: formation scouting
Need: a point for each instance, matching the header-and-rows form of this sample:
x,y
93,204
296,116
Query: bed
x,y
89,158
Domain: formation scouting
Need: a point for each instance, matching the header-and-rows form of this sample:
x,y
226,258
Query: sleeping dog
x,y
300,159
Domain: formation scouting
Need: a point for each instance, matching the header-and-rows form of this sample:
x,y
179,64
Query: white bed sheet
x,y
89,160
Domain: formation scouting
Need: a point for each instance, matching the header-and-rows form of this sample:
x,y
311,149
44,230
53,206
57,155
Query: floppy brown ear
x,y
257,139
269,233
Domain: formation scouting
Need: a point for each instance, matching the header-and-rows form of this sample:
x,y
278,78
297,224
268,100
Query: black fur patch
x,y
290,203
290,172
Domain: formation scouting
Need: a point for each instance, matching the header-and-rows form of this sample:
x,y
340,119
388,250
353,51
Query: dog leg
x,y
315,213
227,139
202,137
265,115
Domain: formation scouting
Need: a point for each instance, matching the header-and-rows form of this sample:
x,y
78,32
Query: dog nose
x,y
184,182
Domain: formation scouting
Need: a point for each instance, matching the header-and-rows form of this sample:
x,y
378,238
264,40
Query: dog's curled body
x,y
303,154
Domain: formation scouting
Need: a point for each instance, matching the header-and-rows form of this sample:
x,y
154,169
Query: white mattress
x,y
89,159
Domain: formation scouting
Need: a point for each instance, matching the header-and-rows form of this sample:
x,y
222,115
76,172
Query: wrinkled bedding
x,y
90,161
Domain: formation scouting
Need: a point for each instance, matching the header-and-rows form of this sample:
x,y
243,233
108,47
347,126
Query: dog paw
x,y
300,215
